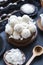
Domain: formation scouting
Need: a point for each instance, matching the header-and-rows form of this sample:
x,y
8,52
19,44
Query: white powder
x,y
27,8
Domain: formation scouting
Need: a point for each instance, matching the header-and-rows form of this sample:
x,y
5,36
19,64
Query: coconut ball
x,y
8,29
16,35
26,19
32,28
18,28
25,33
19,19
24,25
13,20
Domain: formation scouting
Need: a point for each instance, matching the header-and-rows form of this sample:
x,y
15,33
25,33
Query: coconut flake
x,y
15,57
27,8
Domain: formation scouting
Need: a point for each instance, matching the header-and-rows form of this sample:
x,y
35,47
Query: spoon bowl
x,y
38,50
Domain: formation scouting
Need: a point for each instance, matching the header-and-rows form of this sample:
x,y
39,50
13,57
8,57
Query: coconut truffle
x,y
16,35
19,19
32,28
8,29
24,25
26,19
13,20
18,28
15,57
26,33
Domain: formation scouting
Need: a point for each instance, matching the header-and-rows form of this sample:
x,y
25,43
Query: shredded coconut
x,y
15,57
27,8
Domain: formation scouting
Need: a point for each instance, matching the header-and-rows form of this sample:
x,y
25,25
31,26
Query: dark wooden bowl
x,y
21,43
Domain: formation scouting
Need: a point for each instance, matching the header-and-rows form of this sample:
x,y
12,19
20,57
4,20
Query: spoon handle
x,y
31,59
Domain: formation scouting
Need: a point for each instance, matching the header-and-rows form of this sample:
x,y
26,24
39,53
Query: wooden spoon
x,y
37,51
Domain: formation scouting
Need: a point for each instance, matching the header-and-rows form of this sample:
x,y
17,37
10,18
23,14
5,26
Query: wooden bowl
x,y
23,42
39,24
6,60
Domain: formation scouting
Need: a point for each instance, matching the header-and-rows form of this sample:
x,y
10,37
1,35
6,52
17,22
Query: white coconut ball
x,y
16,35
26,33
26,19
32,28
8,29
13,20
24,25
18,28
19,19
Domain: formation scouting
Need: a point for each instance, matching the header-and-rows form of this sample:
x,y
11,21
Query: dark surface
x,y
28,49
2,46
